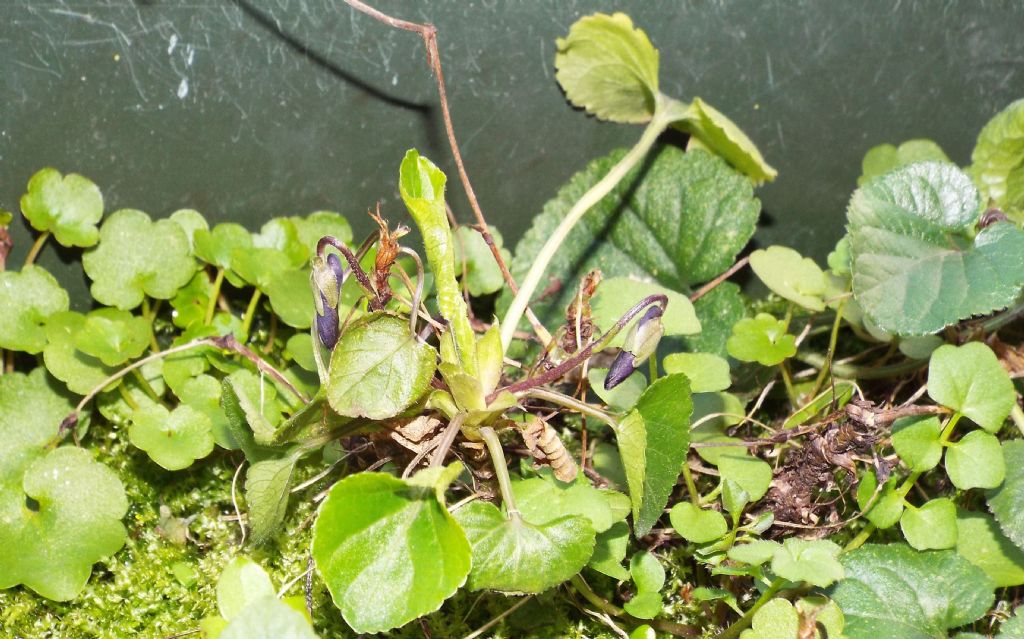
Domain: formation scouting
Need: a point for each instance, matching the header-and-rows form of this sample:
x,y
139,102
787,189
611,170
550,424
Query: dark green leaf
x,y
717,311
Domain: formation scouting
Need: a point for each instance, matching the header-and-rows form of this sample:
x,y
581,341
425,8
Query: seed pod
x,y
546,447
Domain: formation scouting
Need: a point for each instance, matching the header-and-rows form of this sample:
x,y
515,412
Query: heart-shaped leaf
x,y
791,276
997,162
137,257
814,561
698,525
917,265
282,234
173,439
752,474
242,582
679,221
883,158
916,440
884,509
707,373
259,266
976,461
541,500
291,297
28,298
515,555
896,592
617,295
609,551
933,526
762,339
378,369
1007,501
970,379
980,540
217,246
388,551
608,67
190,302
68,206
779,619
319,224
653,440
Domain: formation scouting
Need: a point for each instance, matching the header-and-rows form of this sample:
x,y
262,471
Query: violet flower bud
x,y
641,342
328,279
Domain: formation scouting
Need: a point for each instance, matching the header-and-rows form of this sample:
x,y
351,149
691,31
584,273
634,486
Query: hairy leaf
x,y
1007,501
267,485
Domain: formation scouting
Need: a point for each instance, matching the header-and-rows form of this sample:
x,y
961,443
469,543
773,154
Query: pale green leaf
x,y
970,379
113,336
707,373
137,257
378,369
755,552
388,552
932,526
609,551
69,206
791,276
646,604
896,592
281,234
291,297
916,441
217,246
259,266
883,158
997,162
752,474
481,274
1007,501
621,398
241,582
976,461
814,561
268,618
984,545
713,130
28,299
319,224
917,264
541,500
173,439
762,339
697,525
617,295
608,67
79,371
884,509
190,221
777,619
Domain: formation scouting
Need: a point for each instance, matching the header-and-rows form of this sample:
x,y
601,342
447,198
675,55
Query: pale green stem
x,y
658,123
501,471
787,379
146,387
211,305
859,540
595,599
249,313
573,404
830,355
1017,415
691,486
652,367
37,246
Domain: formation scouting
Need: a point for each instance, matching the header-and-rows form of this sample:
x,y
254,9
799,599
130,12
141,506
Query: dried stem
x,y
704,290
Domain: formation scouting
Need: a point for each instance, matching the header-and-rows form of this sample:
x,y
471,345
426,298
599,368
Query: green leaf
x,y
190,221
267,486
730,411
624,396
190,302
791,276
28,298
291,297
814,561
173,439
713,130
203,393
242,582
970,379
717,311
268,618
752,474
608,67
1007,501
378,369
933,526
779,619
981,542
697,525
217,246
680,221
917,264
617,295
259,266
887,507
916,440
883,158
517,555
706,372
113,336
645,604
137,257
482,273
31,409
976,461
755,552
653,440
282,235
1013,628
68,206
252,409
609,551
319,224
762,339
74,521
896,592
997,161
388,551
541,500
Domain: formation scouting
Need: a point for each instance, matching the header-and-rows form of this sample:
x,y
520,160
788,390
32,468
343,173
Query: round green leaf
x,y
259,266
515,555
281,234
887,507
984,545
896,592
970,379
291,297
217,245
28,299
190,221
68,206
242,582
541,500
113,336
883,158
645,604
791,276
916,440
609,551
378,369
72,521
976,461
707,373
761,339
137,257
319,224
1007,501
172,439
752,474
268,618
190,302
755,552
775,620
697,525
646,571
997,162
933,526
81,372
609,68
711,129
814,561
617,295
203,393
917,264
388,551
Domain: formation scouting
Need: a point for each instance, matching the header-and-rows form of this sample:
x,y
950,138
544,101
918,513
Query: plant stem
x,y
127,397
146,387
595,599
37,246
848,371
652,367
211,305
1003,318
831,353
573,404
859,540
691,486
659,121
249,313
741,624
501,471
707,288
788,381
1018,417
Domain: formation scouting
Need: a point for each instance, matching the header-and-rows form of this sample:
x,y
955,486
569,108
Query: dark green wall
x,y
249,110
